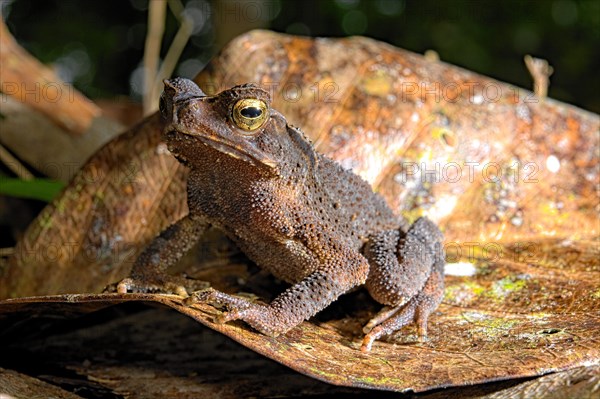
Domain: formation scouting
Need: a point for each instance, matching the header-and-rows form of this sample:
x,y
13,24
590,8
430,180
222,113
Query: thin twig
x,y
181,38
179,42
156,28
14,164
431,56
540,71
6,252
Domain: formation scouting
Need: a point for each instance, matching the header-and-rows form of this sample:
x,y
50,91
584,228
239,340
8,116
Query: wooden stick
x,y
14,164
29,81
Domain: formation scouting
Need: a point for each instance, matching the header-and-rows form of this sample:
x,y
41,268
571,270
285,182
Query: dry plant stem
x,y
32,83
153,74
431,55
540,71
14,164
176,48
8,251
156,27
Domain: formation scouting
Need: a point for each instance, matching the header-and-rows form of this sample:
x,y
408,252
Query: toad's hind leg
x,y
407,275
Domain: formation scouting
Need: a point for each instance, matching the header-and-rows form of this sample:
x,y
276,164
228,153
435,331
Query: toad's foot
x,y
178,285
418,309
389,321
238,308
218,299
407,273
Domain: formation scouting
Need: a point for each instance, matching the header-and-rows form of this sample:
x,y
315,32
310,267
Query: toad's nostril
x,y
182,89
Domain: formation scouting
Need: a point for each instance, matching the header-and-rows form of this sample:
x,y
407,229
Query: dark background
x,y
98,45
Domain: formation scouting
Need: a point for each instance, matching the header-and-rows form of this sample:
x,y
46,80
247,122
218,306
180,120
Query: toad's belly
x,y
288,260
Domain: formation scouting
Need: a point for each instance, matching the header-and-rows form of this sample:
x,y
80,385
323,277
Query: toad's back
x,y
354,210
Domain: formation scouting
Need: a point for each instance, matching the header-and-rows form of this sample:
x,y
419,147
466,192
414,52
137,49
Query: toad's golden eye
x,y
250,113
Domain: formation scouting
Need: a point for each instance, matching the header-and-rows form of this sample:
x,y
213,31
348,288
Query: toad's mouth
x,y
248,154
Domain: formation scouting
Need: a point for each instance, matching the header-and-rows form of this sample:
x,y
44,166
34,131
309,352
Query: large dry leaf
x,y
16,385
125,351
520,219
323,349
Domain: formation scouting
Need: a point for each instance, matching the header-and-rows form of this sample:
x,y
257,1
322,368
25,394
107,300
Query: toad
x,y
293,211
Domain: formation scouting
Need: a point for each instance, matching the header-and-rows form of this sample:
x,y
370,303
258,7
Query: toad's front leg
x,y
149,272
339,272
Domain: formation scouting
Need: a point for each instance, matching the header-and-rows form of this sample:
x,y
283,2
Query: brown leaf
x,y
138,352
468,345
581,382
16,385
520,219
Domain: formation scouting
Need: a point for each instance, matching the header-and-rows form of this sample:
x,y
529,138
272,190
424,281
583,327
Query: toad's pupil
x,y
251,112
